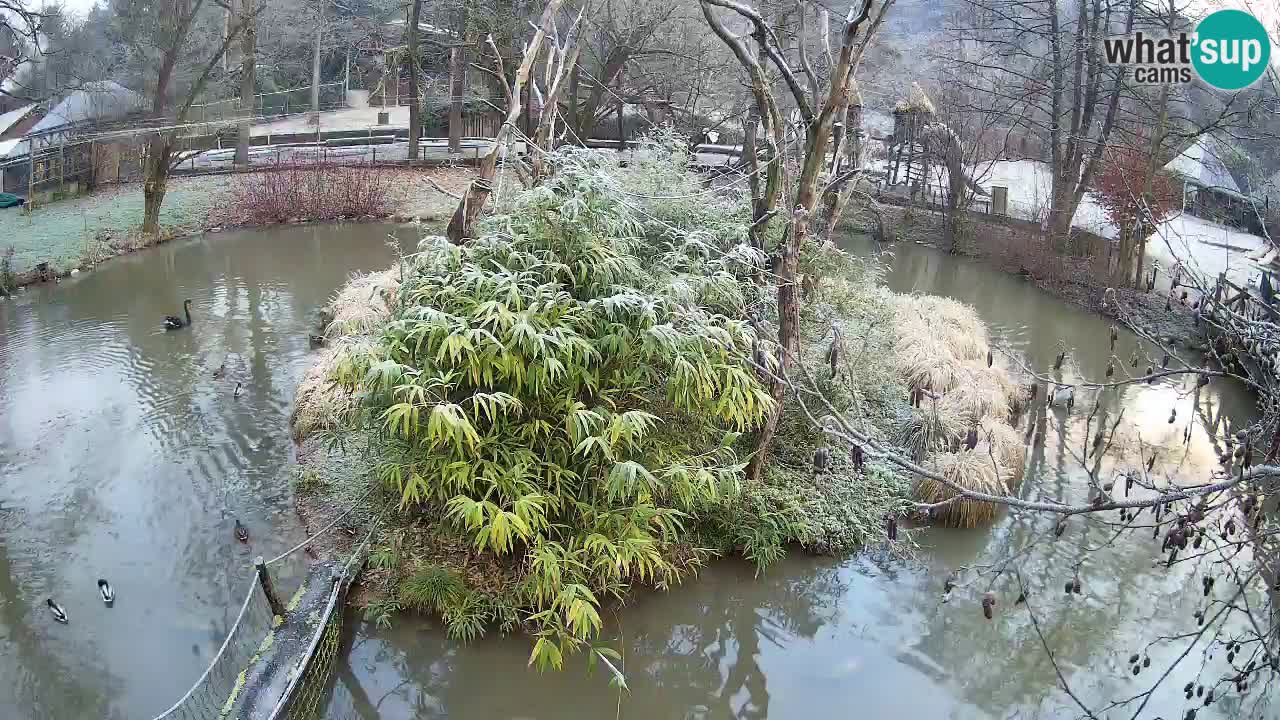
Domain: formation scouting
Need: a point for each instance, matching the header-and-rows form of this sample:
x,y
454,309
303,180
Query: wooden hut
x,y
907,161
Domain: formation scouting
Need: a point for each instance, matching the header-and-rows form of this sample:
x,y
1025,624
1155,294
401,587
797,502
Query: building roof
x,y
13,117
94,102
1202,164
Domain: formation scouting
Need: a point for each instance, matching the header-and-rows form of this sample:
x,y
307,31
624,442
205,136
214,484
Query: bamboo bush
x,y
564,406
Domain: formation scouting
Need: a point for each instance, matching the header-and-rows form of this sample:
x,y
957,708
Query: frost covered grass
x,y
68,233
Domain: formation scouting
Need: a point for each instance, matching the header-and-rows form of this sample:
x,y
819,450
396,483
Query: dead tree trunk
x,y
473,200
561,58
818,125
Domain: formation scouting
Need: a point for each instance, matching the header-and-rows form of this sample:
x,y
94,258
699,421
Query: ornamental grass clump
x,y
563,406
942,353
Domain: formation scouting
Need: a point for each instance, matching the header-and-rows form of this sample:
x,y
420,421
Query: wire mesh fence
x,y
211,696
305,700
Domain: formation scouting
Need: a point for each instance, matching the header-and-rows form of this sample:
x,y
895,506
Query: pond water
x,y
122,457
867,636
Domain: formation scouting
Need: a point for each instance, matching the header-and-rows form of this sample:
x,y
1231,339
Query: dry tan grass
x,y
363,304
941,344
980,393
1010,452
972,470
320,403
359,310
931,427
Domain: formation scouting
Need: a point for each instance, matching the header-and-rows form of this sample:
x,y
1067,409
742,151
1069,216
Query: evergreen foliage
x,y
567,391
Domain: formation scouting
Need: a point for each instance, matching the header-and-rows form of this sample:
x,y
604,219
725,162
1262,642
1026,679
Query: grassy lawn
x,y
62,233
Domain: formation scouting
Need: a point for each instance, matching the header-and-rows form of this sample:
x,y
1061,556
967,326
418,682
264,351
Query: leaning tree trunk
x,y
477,194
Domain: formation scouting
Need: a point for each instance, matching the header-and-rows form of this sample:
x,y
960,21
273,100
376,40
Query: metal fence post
x,y
264,580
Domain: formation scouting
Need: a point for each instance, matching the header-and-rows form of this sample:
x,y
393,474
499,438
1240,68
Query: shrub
x,y
7,281
566,397
309,190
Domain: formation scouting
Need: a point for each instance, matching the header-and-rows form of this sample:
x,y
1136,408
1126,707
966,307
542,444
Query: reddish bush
x,y
1119,187
310,191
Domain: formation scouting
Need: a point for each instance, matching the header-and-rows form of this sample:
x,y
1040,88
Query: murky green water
x,y
122,457
865,636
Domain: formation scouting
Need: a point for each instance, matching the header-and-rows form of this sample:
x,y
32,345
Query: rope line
x,y
323,530
253,585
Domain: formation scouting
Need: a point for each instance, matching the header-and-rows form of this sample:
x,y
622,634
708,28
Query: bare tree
x,y
415,105
1043,58
22,45
162,33
477,194
818,108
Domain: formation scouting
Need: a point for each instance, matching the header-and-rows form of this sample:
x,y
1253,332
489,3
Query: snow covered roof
x,y
1201,163
12,117
8,147
425,27
916,101
105,100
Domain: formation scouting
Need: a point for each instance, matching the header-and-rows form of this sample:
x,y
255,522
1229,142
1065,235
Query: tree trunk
x,y
248,59
456,83
315,67
415,122
571,103
473,200
155,183
1155,155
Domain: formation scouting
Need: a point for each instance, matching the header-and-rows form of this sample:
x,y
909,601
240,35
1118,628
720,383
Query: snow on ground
x,y
1206,247
365,118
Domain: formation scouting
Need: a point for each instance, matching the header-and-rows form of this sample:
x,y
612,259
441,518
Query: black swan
x,y
242,532
172,322
58,613
108,595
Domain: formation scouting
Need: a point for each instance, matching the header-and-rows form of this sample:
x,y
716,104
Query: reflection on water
x,y
866,637
122,456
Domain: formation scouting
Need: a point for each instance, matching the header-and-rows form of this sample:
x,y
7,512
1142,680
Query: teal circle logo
x,y
1231,49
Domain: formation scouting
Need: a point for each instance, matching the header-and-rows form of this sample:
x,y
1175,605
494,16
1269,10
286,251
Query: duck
x,y
316,340
58,613
242,532
172,322
222,370
237,392
108,595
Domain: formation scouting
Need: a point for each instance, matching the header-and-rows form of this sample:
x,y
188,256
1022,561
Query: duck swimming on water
x,y
242,532
108,595
172,322
58,613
